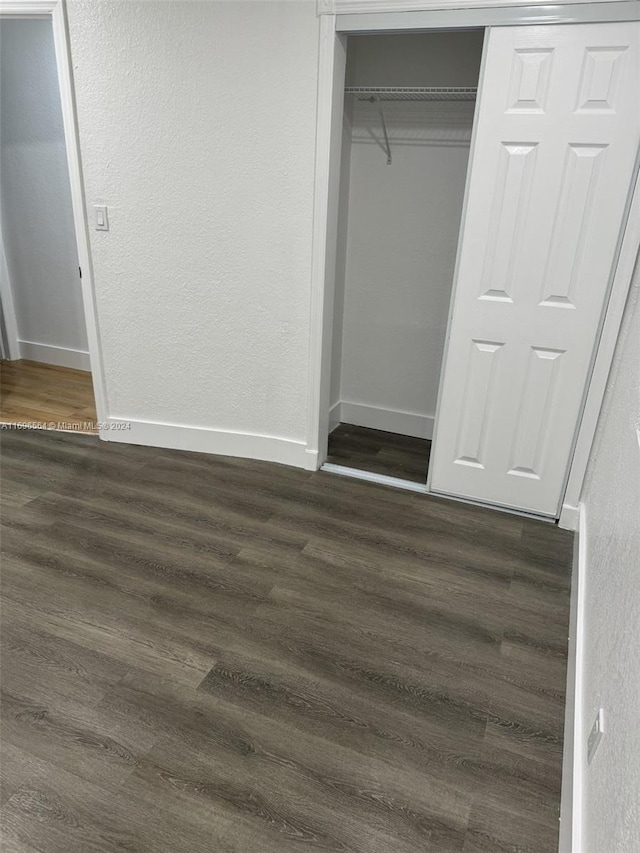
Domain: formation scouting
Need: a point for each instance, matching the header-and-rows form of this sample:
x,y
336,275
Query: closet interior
x,y
408,117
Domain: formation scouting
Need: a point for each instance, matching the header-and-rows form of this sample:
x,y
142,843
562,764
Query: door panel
x,y
558,127
479,397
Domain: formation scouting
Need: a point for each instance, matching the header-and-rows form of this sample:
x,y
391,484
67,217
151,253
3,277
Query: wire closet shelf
x,y
412,93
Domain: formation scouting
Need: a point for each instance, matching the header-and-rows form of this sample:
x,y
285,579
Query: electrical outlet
x,y
595,736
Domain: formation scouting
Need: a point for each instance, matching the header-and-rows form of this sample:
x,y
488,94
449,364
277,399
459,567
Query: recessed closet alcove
x,y
479,184
408,117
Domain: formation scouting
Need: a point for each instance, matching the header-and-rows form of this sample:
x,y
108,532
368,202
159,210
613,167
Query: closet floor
x,y
46,396
380,452
208,654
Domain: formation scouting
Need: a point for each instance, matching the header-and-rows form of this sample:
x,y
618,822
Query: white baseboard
x,y
334,417
389,420
60,356
203,440
569,517
570,840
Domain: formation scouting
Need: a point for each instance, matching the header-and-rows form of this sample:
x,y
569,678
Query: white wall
x,y
611,638
37,218
415,59
403,223
197,129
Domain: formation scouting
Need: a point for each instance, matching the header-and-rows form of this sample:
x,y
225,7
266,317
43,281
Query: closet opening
x,y
409,106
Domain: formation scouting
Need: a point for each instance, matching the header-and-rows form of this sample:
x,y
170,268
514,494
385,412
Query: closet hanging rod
x,y
412,93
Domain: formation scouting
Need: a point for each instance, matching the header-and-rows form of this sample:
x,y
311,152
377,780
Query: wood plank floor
x,y
54,397
380,452
204,655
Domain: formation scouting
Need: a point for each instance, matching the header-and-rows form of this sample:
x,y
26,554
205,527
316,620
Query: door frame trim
x,y
509,7
622,277
55,10
393,17
323,277
7,303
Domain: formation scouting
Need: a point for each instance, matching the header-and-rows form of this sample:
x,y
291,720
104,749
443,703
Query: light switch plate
x,y
101,217
595,735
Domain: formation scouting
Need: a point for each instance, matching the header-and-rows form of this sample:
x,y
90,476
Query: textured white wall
x,y
611,785
37,218
197,129
403,221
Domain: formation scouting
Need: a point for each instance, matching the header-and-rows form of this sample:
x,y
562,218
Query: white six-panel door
x,y
557,133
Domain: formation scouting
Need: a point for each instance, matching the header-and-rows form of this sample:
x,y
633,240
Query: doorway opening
x,y
408,116
45,371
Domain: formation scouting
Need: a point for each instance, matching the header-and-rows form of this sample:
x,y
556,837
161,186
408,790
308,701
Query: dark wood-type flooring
x,y
380,452
205,655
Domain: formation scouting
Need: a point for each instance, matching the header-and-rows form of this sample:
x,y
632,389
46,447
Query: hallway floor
x,y
205,655
55,397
